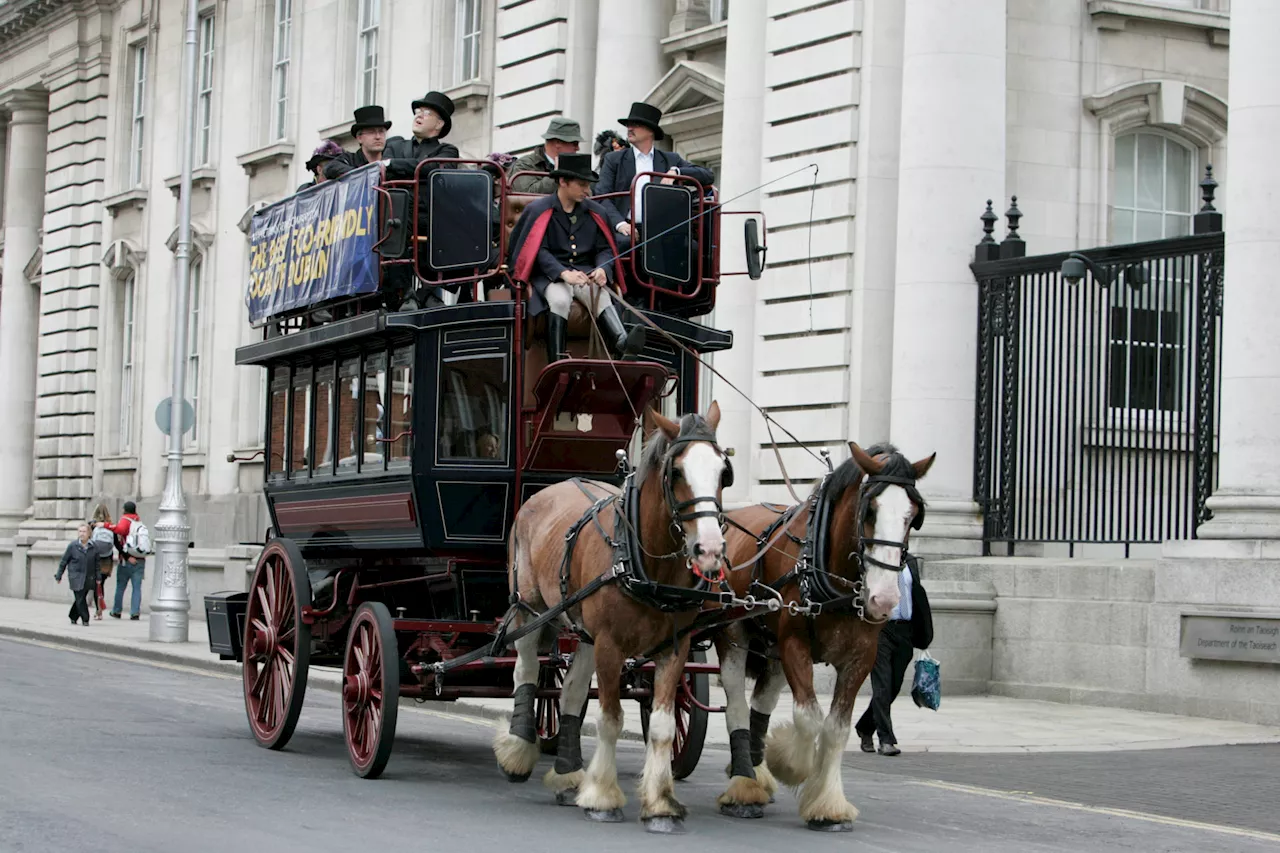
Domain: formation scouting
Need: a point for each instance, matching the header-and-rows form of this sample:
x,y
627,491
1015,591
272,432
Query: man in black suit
x,y
620,168
369,128
898,637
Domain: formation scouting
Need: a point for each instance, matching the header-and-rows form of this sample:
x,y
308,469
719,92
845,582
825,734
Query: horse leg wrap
x,y
759,728
740,754
569,753
523,724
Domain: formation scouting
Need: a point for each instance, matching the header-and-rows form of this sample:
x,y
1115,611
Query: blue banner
x,y
314,246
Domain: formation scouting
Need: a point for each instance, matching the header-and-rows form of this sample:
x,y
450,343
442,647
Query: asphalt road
x,y
99,753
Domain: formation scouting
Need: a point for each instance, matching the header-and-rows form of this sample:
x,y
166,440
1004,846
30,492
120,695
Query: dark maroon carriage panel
x,y
356,515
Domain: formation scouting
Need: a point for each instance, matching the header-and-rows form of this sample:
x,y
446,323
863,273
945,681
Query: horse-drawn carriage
x,y
401,444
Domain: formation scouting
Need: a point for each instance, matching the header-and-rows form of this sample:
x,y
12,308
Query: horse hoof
x,y
567,798
831,825
664,825
515,778
604,815
742,810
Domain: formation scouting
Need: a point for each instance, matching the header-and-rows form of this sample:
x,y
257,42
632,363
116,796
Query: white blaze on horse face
x,y
702,468
893,514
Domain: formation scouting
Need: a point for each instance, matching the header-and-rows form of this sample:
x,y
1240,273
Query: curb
x,y
461,707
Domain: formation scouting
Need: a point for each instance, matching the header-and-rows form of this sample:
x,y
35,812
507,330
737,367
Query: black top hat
x,y
443,107
367,117
647,116
576,167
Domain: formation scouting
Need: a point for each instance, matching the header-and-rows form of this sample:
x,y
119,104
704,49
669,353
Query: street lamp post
x,y
170,604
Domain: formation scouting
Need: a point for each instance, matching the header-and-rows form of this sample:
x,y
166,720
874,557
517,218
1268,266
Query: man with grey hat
x,y
563,136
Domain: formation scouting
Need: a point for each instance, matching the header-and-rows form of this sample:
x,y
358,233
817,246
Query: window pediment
x,y
122,258
1198,114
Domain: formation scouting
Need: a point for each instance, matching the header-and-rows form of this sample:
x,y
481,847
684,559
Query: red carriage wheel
x,y
277,643
370,689
691,721
547,711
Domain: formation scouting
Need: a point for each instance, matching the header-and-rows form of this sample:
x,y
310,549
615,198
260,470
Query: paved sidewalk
x,y
962,724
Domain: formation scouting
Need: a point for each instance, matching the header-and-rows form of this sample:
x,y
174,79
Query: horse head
x,y
888,509
694,470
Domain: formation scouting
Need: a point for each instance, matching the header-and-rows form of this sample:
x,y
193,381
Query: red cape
x,y
532,234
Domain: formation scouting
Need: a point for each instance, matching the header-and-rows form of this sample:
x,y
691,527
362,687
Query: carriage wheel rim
x,y
362,693
683,708
270,659
548,709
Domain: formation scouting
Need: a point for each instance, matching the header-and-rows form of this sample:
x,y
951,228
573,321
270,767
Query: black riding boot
x,y
623,343
557,332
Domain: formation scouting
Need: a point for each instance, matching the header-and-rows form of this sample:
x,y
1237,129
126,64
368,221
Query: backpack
x,y
138,542
104,542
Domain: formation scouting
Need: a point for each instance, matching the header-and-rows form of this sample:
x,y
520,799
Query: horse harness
x,y
818,592
627,568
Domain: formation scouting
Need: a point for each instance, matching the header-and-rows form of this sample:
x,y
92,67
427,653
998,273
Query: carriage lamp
x,y
1075,265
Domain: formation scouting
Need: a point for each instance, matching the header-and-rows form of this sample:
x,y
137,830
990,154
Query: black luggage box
x,y
224,613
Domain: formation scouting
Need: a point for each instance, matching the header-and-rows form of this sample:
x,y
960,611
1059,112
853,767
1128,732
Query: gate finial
x,y
1013,246
1208,220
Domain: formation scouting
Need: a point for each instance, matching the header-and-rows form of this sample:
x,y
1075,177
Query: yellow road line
x,y
1032,799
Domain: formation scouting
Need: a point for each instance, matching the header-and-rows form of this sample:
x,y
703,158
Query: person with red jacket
x,y
132,569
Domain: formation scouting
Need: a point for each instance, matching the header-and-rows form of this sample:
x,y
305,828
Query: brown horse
x,y
853,534
677,515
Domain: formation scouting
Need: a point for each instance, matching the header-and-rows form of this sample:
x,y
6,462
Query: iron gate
x,y
1097,401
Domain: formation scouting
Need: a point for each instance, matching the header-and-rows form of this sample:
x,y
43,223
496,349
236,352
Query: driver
x,y
562,246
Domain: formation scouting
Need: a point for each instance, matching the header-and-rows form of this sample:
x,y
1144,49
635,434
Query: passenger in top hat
x,y
327,150
620,168
562,246
370,130
432,121
563,136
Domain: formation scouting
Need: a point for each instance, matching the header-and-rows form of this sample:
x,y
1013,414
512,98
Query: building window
x,y
204,102
138,100
283,32
719,10
194,288
367,61
1154,187
466,64
126,361
1148,345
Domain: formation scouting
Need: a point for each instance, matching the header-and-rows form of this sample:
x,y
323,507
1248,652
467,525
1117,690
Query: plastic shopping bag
x,y
926,686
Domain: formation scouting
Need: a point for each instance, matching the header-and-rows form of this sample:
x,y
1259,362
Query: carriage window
x,y
300,417
473,408
401,405
348,414
324,412
375,414
279,420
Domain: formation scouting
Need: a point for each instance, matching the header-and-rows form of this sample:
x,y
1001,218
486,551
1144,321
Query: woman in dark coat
x,y
80,562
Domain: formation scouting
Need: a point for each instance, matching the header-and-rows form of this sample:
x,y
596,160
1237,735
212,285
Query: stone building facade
x,y
870,132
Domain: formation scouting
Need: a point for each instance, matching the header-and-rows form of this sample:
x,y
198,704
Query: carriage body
x,y
400,445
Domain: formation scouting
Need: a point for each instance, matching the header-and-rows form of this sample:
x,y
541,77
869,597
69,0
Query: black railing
x,y
1097,393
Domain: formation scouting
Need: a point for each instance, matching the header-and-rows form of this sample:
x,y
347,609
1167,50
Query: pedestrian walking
x,y
132,567
104,542
80,563
910,625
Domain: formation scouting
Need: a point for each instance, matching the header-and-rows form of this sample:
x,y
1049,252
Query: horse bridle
x,y
872,487
693,430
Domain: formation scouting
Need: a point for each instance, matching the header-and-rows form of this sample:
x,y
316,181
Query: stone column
x,y
952,157
1246,504
20,301
742,159
629,58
